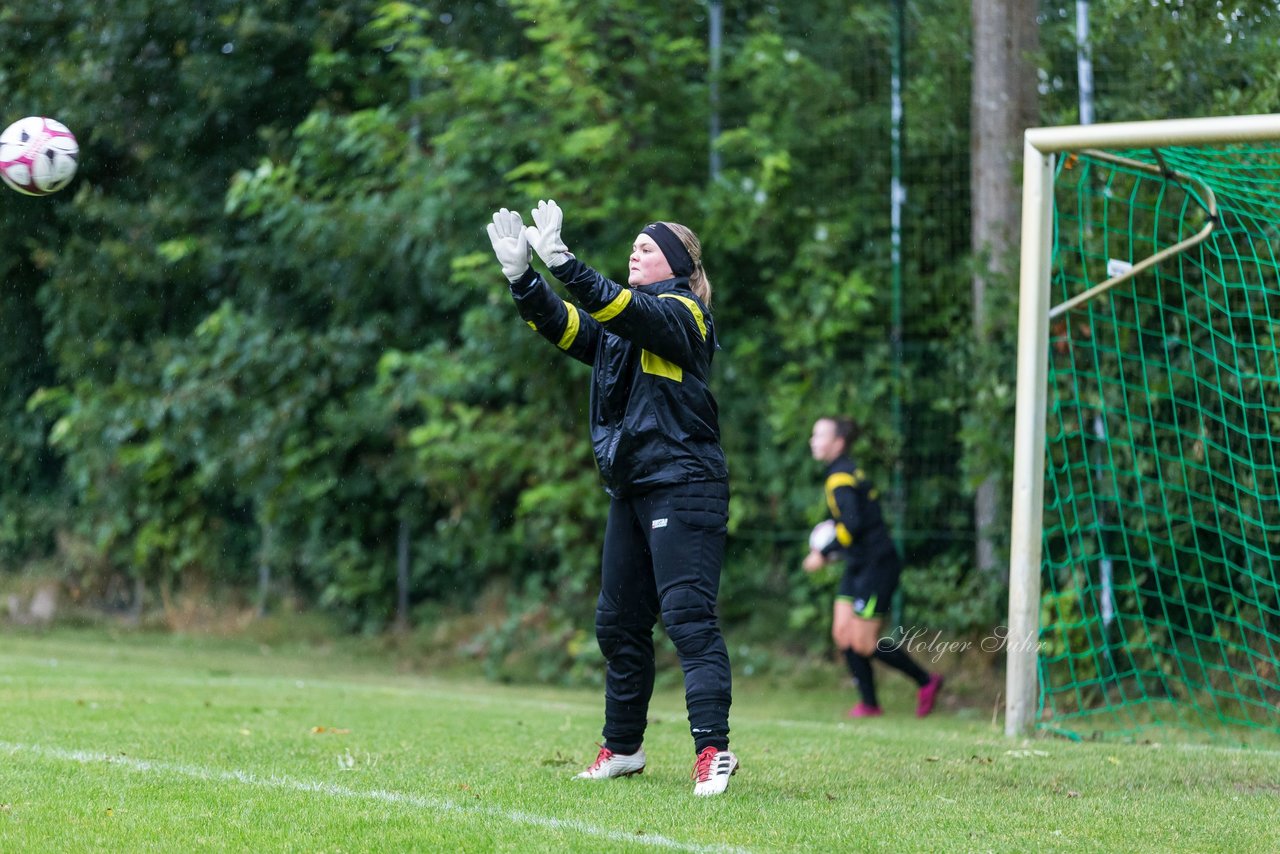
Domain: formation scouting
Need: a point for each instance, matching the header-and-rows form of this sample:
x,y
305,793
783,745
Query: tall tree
x,y
1003,105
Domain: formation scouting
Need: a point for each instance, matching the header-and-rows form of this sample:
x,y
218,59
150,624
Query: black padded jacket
x,y
654,421
861,532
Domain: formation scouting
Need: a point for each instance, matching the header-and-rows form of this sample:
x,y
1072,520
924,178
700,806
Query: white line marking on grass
x,y
146,766
481,695
1243,750
478,695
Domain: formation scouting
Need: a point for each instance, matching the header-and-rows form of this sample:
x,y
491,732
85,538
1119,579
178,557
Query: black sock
x,y
860,668
897,658
709,722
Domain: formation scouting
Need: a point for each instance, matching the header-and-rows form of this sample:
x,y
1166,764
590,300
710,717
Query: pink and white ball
x,y
38,156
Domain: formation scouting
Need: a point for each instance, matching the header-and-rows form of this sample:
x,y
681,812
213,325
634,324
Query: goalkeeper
x,y
871,572
656,438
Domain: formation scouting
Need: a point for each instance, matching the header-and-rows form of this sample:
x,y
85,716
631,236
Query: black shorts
x,y
870,584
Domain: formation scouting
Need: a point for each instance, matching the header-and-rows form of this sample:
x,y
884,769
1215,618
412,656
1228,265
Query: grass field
x,y
163,743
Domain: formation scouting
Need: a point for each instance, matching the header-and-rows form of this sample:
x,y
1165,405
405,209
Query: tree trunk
x,y
1003,105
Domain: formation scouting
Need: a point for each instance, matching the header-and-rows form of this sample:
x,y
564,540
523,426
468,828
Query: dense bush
x,y
262,338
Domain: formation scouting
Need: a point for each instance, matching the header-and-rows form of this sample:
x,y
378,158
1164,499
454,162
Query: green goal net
x,y
1159,599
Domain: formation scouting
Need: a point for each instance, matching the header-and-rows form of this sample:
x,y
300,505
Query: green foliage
x,y
1165,60
264,326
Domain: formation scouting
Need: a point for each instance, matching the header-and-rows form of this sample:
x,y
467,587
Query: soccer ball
x,y
38,156
822,535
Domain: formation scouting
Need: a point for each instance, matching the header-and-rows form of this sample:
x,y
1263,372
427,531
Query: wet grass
x,y
165,743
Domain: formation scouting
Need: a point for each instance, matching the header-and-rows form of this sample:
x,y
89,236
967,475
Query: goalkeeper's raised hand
x,y
544,234
510,241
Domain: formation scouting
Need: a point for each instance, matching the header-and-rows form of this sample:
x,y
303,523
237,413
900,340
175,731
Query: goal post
x,y
1138,150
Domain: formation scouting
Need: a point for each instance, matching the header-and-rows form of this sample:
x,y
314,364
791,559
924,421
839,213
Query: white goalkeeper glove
x,y
510,241
544,234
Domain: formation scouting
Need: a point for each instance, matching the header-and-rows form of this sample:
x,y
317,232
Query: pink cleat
x,y
927,694
862,710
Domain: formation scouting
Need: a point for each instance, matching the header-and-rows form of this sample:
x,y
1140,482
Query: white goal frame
x,y
1040,148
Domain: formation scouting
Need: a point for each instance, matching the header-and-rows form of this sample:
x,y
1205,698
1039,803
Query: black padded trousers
x,y
663,552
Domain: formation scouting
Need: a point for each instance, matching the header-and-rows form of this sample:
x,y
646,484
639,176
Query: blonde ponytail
x,y
698,281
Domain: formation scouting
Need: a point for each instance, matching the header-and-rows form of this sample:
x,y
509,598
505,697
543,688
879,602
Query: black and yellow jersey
x,y
854,503
654,420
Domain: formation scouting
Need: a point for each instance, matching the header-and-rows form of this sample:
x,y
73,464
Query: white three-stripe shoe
x,y
610,764
712,770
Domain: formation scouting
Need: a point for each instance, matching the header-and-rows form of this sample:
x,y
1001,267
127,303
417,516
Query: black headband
x,y
672,247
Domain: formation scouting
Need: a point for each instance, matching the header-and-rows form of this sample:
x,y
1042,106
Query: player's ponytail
x,y
847,430
698,281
